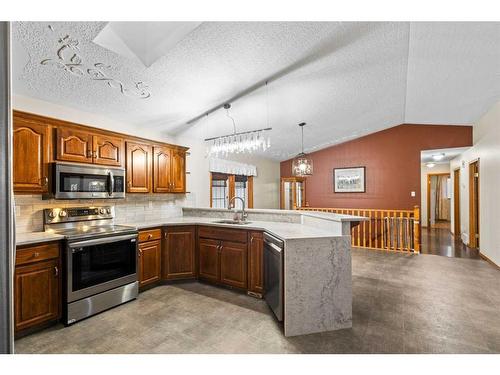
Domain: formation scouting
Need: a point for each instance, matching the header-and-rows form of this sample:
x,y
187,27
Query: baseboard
x,y
489,260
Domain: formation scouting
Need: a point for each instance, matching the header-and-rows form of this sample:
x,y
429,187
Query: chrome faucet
x,y
236,213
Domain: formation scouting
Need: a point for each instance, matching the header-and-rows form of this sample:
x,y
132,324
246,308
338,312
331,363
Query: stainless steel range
x,y
100,259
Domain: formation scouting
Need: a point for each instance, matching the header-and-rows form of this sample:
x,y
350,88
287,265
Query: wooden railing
x,y
396,230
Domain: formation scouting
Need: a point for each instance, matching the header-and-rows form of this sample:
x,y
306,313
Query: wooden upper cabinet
x,y
31,156
162,169
178,171
178,257
108,150
138,168
73,145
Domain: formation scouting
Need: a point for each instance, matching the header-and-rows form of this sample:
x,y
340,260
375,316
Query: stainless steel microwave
x,y
84,181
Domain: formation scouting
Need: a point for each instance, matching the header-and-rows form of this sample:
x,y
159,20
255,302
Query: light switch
x,y
413,194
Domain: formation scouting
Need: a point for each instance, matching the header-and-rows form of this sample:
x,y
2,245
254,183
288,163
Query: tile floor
x,y
401,304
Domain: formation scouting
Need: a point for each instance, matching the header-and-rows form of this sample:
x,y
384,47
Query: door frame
x,y
474,197
456,203
429,175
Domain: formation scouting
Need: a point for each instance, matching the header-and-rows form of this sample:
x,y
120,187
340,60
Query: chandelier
x,y
248,141
302,165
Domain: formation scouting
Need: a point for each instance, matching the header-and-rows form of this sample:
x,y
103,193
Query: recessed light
x,y
430,165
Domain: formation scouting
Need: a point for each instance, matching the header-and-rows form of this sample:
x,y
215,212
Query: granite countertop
x,y
283,230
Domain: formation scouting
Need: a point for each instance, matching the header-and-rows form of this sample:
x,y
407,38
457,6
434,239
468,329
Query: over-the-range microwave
x,y
84,181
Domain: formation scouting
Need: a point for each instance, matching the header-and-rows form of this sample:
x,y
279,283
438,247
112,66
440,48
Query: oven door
x,y
97,265
75,181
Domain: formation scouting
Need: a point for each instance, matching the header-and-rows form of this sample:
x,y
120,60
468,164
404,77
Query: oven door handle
x,y
100,241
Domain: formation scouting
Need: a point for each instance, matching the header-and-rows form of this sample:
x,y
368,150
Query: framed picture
x,y
349,180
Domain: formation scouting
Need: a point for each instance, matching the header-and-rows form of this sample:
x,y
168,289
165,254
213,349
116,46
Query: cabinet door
x,y
108,150
162,161
209,259
31,154
233,264
256,262
37,293
149,262
138,168
178,258
178,171
73,145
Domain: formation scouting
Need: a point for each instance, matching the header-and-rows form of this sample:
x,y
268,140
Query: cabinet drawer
x,y
224,234
149,235
37,253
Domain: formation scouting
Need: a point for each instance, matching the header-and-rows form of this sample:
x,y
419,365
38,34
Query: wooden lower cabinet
x,y
233,264
179,253
149,262
37,286
256,262
209,259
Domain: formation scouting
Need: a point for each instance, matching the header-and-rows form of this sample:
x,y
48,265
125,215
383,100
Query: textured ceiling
x,y
343,79
449,154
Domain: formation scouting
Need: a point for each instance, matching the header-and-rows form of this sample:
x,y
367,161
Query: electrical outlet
x,y
413,194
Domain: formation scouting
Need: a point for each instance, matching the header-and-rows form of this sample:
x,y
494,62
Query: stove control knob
x,y
102,211
52,214
63,213
108,211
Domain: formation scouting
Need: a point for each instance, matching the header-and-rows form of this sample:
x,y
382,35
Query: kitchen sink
x,y
229,221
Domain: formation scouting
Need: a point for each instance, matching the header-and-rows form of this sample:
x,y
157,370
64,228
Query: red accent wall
x,y
392,161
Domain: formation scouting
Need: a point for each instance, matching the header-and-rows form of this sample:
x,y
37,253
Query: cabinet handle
x,y
150,236
89,153
56,271
251,240
45,181
94,155
140,253
36,254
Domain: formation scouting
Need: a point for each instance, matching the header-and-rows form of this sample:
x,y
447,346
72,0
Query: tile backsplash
x,y
134,208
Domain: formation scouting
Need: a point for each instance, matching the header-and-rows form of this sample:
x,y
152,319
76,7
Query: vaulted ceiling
x,y
345,79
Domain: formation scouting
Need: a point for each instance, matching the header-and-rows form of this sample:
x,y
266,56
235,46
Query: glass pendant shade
x,y
302,165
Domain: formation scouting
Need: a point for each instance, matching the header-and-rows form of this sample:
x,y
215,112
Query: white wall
x,y
266,183
486,148
43,108
424,171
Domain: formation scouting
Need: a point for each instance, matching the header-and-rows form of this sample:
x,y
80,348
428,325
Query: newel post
x,y
416,228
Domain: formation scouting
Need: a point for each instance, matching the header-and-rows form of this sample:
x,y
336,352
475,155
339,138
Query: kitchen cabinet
x,y
31,156
85,147
233,264
139,167
223,256
169,170
209,259
149,262
179,255
37,286
256,262
149,256
162,169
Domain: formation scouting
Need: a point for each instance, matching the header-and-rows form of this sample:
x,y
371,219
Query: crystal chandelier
x,y
302,165
243,142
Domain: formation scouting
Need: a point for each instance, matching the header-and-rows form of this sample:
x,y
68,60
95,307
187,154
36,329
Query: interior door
x,y
73,145
162,161
456,202
474,204
30,153
138,168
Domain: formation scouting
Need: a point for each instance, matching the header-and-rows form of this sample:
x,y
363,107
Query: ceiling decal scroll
x,y
69,60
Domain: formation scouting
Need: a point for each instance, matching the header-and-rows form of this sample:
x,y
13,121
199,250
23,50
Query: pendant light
x,y
302,165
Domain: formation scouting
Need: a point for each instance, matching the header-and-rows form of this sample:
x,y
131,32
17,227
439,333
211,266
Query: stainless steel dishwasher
x,y
273,274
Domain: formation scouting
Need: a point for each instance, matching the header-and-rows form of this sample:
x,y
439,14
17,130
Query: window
x,y
224,186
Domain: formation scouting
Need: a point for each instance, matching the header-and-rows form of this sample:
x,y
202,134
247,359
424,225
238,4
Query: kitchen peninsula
x,y
317,260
